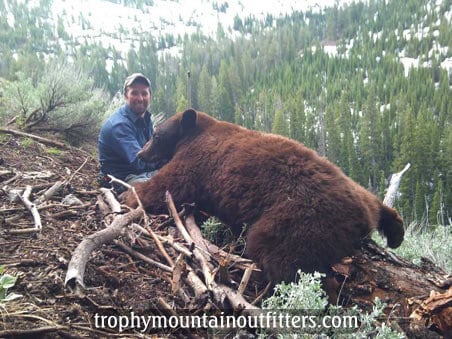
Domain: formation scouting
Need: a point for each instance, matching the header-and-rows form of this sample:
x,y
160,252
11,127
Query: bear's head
x,y
167,135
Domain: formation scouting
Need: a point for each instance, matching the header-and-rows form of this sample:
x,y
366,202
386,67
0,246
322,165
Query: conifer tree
x,y
225,94
280,123
204,90
436,212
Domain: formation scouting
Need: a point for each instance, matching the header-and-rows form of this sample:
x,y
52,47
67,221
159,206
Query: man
x,y
125,133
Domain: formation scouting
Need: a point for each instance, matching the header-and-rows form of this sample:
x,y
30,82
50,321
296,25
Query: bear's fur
x,y
302,211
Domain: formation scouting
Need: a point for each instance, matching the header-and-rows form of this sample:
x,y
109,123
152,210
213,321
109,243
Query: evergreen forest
x,y
360,106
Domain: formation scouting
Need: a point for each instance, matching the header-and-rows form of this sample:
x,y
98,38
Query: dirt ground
x,y
115,281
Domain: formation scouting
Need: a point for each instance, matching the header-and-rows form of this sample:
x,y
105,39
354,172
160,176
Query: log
x,y
76,267
403,286
43,140
31,207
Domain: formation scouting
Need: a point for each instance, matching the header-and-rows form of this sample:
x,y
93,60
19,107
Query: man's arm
x,y
125,142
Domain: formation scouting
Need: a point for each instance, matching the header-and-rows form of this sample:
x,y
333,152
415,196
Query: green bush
x,y
307,295
216,232
434,244
62,100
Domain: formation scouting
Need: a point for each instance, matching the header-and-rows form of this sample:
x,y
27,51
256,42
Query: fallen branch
x,y
237,301
52,191
151,233
34,137
76,267
166,240
67,181
130,187
6,182
245,279
143,257
205,265
25,197
195,283
179,267
114,204
33,332
173,212
6,172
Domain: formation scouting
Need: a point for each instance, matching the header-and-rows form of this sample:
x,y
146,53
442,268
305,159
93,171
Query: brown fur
x,y
301,210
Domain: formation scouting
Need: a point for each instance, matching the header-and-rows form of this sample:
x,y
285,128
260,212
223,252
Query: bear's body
x,y
301,210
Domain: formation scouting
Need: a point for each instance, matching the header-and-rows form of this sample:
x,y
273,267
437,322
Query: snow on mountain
x,y
116,25
111,24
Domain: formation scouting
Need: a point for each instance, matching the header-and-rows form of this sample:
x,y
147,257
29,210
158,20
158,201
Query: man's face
x,y
138,97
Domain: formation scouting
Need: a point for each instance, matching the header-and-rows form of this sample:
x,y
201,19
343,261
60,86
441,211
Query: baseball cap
x,y
134,77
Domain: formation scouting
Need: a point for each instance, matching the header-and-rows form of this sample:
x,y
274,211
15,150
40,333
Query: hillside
x,y
130,275
40,260
366,84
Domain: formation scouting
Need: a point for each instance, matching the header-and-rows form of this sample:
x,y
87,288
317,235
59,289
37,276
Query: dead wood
x,y
205,265
245,279
51,192
76,267
114,204
436,312
140,256
34,137
25,197
34,332
393,188
237,301
375,272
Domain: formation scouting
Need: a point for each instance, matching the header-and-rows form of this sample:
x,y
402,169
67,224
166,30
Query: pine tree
x,y
181,99
238,116
204,90
297,119
420,202
224,87
369,138
436,212
406,154
382,185
215,102
280,123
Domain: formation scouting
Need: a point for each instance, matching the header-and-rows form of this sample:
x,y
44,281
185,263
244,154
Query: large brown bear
x,y
302,211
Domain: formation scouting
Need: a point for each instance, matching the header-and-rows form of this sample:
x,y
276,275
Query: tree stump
x,y
418,297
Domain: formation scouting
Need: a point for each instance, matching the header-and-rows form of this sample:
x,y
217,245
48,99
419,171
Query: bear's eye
x,y
156,139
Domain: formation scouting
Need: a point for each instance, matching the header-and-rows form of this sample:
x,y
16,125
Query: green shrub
x,y
434,244
62,100
307,295
216,232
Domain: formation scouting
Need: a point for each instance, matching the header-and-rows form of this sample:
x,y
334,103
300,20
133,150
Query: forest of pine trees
x,y
357,108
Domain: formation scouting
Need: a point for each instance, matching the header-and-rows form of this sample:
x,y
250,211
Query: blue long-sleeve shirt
x,y
120,139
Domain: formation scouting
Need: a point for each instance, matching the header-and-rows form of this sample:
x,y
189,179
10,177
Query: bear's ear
x,y
188,121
